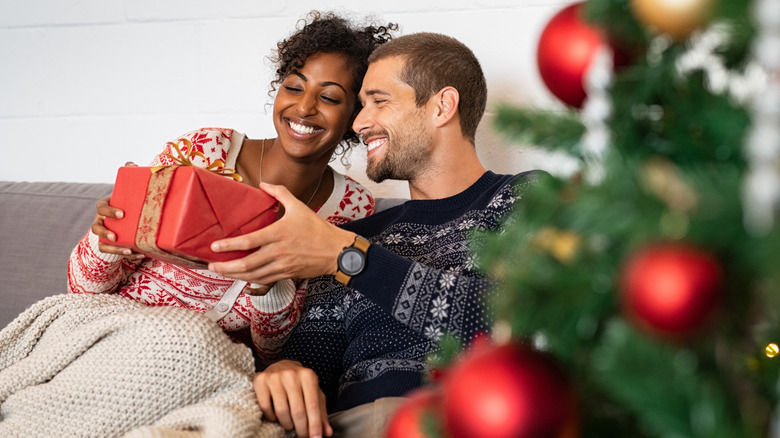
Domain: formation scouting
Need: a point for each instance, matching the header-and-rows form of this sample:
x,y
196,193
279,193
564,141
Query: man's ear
x,y
447,100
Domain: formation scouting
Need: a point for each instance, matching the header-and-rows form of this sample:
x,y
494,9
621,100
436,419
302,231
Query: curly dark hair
x,y
330,33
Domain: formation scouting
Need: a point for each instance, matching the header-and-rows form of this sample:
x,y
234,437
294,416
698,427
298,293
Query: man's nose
x,y
361,121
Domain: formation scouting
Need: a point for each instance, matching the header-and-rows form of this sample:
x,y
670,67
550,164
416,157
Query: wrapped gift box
x,y
175,213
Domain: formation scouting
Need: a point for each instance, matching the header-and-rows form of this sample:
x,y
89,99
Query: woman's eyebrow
x,y
324,84
329,83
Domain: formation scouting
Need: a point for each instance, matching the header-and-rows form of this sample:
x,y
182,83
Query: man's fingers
x,y
281,194
248,241
235,265
241,269
281,406
254,268
231,244
263,395
304,401
296,408
289,393
313,401
326,427
257,238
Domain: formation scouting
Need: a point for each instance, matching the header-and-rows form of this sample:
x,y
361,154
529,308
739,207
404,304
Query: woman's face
x,y
313,107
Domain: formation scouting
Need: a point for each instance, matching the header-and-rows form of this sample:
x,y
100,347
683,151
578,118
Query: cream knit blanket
x,y
106,366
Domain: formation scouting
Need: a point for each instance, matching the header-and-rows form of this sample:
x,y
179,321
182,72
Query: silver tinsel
x,y
756,87
761,190
595,112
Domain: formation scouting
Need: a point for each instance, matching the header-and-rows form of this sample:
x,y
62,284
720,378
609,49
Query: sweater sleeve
x,y
421,268
92,271
428,300
276,315
280,311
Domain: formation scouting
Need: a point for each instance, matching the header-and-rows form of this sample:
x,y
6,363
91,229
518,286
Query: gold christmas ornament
x,y
662,178
772,350
676,18
561,244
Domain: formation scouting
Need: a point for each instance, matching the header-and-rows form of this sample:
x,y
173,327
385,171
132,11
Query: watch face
x,y
351,261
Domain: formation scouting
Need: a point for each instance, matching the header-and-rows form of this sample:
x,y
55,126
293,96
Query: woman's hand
x,y
104,210
289,393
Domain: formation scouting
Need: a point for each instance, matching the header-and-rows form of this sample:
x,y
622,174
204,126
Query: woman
x,y
318,76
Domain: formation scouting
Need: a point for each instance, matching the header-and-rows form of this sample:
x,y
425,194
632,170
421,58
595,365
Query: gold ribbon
x,y
186,155
151,215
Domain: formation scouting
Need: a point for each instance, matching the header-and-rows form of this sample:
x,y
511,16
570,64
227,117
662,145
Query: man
x,y
404,276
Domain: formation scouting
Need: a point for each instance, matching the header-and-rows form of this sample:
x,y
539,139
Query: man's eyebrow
x,y
374,92
323,84
371,93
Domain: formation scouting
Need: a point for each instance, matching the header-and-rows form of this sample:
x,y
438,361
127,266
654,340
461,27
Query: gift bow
x,y
185,159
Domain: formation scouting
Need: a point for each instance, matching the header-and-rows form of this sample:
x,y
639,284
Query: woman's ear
x,y
447,100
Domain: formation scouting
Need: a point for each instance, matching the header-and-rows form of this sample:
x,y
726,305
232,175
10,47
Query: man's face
x,y
395,129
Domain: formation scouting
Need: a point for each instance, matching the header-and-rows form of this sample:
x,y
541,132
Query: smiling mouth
x,y
375,143
303,129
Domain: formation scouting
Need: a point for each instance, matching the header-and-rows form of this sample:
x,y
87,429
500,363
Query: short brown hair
x,y
434,61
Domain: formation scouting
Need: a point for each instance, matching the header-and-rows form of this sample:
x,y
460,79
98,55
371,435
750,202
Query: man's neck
x,y
452,171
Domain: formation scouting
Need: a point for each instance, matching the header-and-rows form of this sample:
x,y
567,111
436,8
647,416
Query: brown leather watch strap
x,y
359,244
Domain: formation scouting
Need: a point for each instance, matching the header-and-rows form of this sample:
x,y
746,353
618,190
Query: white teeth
x,y
373,144
301,129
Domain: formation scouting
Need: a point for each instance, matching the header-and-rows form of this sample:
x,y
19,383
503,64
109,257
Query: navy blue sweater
x,y
371,339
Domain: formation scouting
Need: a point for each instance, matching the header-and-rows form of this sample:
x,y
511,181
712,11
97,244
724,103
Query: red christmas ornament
x,y
508,391
408,419
567,46
671,289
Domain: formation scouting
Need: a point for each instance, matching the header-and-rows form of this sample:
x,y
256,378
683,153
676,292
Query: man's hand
x,y
289,393
299,245
104,210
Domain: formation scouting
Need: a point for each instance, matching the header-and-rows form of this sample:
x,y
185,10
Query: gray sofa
x,y
40,223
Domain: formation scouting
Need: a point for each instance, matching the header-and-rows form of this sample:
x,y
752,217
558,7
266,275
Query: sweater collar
x,y
455,202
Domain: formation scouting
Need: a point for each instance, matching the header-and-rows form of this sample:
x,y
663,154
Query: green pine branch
x,y
552,130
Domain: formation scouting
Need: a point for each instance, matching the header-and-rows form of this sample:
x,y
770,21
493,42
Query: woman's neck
x,y
265,160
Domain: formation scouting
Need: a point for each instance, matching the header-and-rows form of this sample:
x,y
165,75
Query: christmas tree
x,y
641,293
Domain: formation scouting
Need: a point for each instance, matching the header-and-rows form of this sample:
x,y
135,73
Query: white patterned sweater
x,y
270,318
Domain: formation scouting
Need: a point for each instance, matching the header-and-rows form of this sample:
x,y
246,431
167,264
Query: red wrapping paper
x,y
175,214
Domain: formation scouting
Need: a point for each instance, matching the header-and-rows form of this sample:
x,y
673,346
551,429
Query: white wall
x,y
86,85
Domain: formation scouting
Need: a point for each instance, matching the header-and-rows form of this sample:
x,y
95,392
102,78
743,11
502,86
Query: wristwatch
x,y
352,260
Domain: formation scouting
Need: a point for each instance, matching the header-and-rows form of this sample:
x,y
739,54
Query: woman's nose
x,y
307,104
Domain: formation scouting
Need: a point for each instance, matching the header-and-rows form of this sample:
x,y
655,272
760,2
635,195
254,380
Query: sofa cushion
x,y
40,223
